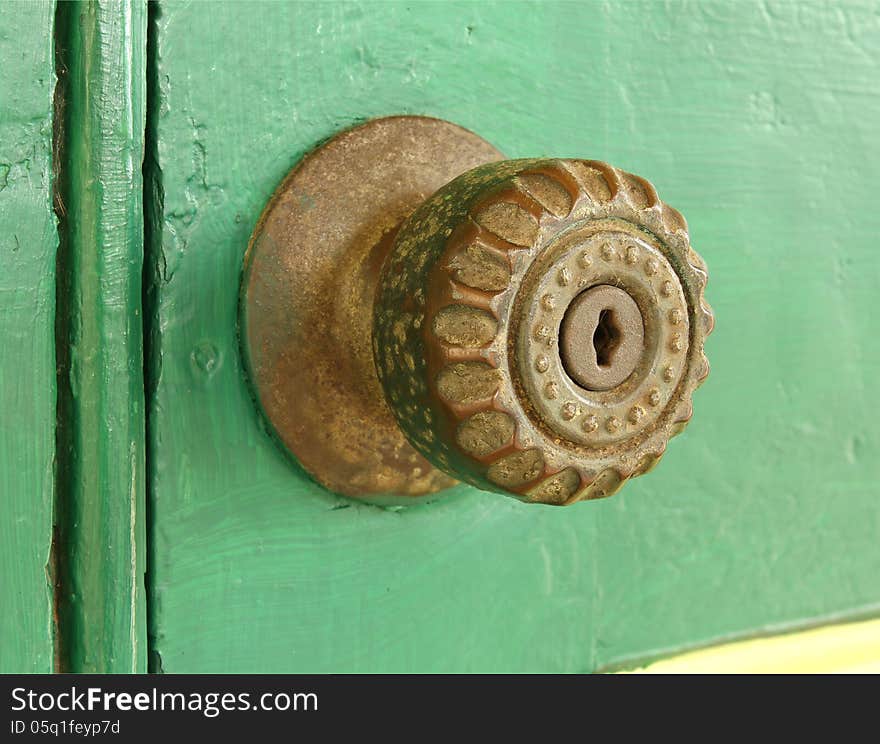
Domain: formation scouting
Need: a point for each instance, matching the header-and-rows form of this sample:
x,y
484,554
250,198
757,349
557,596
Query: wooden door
x,y
207,547
758,122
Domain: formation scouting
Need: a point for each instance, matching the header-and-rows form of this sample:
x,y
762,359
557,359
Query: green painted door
x,y
188,542
72,437
758,121
28,241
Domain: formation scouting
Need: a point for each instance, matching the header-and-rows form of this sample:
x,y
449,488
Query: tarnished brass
x,y
537,327
309,282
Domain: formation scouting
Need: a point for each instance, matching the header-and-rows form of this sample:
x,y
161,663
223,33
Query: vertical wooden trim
x,y
28,240
153,201
101,397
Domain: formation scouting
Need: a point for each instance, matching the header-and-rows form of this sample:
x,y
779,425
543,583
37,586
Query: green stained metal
x,y
101,464
28,240
758,121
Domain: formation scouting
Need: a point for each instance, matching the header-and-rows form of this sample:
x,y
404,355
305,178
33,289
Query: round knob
x,y
535,327
538,328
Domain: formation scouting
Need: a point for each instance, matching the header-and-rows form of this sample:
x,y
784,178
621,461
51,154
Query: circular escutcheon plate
x,y
307,295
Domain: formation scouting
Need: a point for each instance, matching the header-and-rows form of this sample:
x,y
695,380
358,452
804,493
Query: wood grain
x,y
28,240
757,120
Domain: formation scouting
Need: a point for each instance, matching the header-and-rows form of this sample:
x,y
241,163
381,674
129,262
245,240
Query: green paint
x,y
101,464
758,121
28,240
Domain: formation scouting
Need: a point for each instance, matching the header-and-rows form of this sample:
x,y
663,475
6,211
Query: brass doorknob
x,y
537,326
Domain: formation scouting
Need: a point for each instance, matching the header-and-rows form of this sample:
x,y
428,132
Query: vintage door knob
x,y
416,309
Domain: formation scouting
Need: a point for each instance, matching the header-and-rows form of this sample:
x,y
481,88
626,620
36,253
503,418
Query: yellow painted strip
x,y
852,648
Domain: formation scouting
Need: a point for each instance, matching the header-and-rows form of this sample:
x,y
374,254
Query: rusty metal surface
x,y
468,320
307,298
537,326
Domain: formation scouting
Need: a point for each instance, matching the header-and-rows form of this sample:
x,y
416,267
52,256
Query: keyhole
x,y
601,337
606,337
